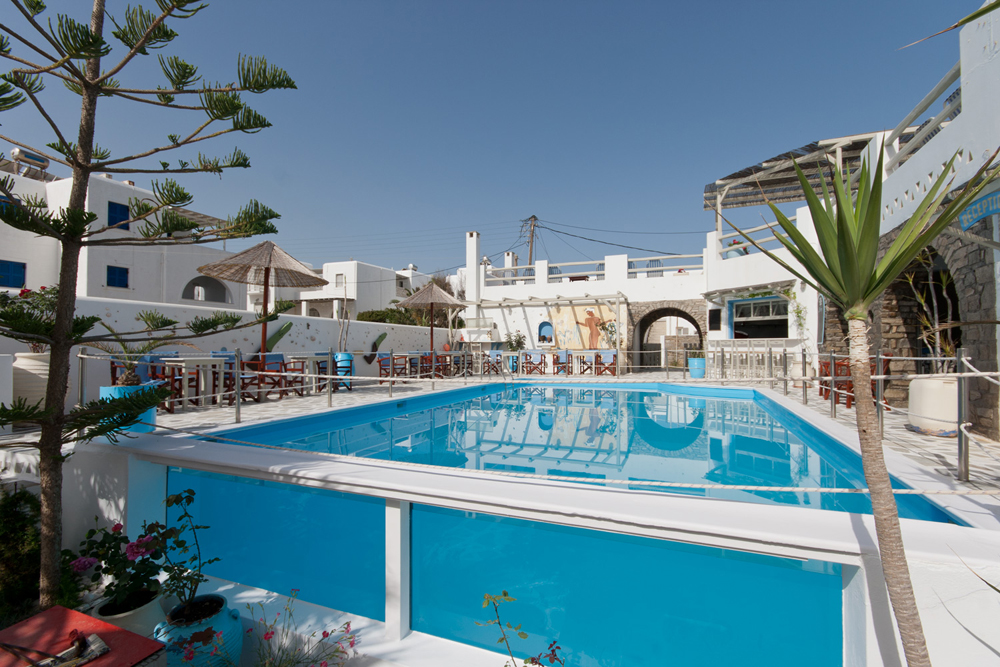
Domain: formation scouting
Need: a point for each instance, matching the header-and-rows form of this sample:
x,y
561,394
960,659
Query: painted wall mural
x,y
592,327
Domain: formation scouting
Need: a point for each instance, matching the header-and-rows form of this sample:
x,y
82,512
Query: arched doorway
x,y
681,329
205,288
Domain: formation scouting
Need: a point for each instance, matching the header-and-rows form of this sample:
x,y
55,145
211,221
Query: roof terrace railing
x,y
951,108
661,265
762,234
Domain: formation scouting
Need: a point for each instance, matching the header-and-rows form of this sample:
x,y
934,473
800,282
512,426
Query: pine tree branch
x,y
190,139
31,45
155,103
70,67
111,339
139,46
45,114
186,170
16,202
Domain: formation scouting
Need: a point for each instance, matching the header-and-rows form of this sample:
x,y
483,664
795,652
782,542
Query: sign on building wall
x,y
984,206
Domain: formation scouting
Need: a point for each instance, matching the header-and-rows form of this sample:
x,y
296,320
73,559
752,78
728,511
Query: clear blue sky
x,y
416,121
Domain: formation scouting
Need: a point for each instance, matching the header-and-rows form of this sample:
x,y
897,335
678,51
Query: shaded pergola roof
x,y
775,180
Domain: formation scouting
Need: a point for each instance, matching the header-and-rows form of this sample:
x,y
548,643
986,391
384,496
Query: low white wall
x,y
310,334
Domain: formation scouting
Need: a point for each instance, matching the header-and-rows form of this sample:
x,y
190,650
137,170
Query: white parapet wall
x,y
308,334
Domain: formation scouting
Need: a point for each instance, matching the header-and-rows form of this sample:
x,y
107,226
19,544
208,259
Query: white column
x,y
473,282
397,569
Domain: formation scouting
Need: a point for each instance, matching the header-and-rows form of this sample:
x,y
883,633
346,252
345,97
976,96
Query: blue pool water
x,y
610,600
727,436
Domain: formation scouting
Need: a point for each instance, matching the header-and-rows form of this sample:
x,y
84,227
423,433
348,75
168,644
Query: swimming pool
x,y
596,433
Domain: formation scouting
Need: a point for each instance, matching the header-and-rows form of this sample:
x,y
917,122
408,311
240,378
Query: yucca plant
x,y
848,271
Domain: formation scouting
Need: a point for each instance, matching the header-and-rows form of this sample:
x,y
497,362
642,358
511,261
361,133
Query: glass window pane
x,y
742,310
762,309
779,308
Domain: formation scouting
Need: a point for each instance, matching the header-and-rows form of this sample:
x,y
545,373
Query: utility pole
x,y
531,237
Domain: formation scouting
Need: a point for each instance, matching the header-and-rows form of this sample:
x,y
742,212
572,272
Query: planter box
x,y
149,416
933,407
31,375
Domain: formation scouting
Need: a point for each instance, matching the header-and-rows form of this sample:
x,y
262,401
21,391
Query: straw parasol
x,y
431,295
261,265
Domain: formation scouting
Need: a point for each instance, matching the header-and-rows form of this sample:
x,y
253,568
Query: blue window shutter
x,y
117,276
117,213
12,274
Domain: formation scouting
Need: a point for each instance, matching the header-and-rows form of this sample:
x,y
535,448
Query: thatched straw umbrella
x,y
261,265
431,295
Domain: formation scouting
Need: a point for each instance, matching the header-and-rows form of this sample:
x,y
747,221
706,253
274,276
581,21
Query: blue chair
x,y
562,362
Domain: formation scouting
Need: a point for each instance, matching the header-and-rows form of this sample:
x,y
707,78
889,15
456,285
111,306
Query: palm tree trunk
x,y
890,538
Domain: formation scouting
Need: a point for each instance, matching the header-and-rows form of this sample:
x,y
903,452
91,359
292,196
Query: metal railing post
x,y
769,368
833,395
82,376
465,365
963,408
722,364
684,371
238,370
330,371
805,385
879,410
784,368
663,351
392,367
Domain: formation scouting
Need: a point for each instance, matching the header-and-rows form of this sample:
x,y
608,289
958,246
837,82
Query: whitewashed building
x,y
357,286
164,274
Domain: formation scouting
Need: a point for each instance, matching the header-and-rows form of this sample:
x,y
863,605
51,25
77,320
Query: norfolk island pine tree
x,y
69,53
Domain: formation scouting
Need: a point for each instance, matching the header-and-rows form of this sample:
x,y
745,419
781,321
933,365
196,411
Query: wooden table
x,y
48,631
198,365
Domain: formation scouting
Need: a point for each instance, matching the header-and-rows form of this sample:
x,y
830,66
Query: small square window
x,y
117,276
117,213
12,274
339,280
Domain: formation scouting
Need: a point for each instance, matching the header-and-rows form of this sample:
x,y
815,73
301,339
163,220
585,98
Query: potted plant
x,y
197,621
696,364
130,571
735,248
31,369
933,402
515,342
130,355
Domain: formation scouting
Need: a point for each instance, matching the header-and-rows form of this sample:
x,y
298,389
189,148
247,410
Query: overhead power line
x,y
619,245
621,231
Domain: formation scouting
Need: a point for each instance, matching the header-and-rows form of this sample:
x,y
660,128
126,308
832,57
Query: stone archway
x,y
642,315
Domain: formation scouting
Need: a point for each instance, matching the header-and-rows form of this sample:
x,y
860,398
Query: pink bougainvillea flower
x,y
82,564
249,631
323,664
268,635
326,634
352,642
218,635
214,651
117,528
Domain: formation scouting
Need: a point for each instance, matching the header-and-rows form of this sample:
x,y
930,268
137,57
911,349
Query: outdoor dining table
x,y
199,365
581,356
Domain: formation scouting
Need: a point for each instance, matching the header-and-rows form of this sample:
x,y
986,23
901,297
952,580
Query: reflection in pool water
x,y
596,434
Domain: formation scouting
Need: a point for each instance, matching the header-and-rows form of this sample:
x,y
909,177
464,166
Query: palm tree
x,y
848,272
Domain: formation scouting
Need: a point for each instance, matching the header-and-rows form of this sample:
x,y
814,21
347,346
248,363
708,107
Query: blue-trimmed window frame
x,y
12,274
117,276
118,213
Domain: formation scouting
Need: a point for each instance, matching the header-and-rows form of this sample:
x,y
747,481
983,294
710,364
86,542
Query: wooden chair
x,y
604,363
492,363
384,360
534,363
586,361
294,379
562,362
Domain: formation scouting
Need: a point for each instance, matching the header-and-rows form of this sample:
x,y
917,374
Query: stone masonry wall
x,y
896,329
